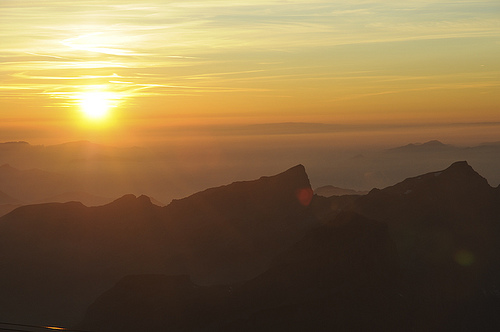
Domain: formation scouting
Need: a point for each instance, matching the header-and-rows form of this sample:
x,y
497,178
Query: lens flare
x,y
305,196
464,257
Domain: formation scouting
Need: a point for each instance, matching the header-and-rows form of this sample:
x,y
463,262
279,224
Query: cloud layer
x,y
329,58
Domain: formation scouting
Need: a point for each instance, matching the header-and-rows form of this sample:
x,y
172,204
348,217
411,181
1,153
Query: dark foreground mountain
x,y
430,263
57,258
446,227
340,275
262,255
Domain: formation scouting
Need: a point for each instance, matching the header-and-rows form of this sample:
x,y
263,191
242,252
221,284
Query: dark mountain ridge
x,y
237,226
225,234
456,190
433,265
419,255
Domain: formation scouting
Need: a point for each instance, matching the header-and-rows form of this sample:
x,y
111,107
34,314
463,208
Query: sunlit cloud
x,y
94,43
309,51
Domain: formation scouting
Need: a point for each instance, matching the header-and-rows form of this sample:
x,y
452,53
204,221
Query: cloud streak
x,y
153,47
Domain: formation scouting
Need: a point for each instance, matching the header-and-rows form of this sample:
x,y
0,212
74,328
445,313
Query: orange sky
x,y
163,65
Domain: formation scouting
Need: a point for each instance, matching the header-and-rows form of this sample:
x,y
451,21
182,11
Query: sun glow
x,y
97,104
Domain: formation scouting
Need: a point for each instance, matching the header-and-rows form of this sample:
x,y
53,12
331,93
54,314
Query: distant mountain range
x,y
379,169
7,199
262,255
328,191
182,168
34,186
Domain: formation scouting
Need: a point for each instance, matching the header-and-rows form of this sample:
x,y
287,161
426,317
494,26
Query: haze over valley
x,y
96,174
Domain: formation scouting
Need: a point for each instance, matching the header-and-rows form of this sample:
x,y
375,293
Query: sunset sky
x,y
157,66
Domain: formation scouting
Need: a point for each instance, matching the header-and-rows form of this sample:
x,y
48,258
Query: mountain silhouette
x,y
457,190
77,196
433,145
446,227
335,267
430,263
175,171
240,226
66,254
265,254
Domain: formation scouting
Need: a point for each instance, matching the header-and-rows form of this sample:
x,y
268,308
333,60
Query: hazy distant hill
x,y
7,199
327,191
33,184
424,147
77,196
163,172
7,203
181,168
382,168
56,157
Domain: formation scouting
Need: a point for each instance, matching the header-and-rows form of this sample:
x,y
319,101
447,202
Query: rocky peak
x,y
296,176
433,143
459,176
461,168
130,199
290,186
129,203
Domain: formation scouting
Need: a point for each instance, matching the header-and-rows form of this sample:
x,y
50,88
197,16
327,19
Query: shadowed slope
x,y
339,276
439,212
238,228
58,256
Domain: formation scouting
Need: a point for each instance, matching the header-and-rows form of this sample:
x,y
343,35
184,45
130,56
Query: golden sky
x,y
160,64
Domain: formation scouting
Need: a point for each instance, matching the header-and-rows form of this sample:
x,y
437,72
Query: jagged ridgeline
x,y
263,255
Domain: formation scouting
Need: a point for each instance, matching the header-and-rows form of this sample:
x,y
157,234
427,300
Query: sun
x,y
96,105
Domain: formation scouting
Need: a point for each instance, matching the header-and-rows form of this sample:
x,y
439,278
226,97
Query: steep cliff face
x,y
241,226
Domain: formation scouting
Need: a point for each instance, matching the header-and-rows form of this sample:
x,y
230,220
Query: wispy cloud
x,y
203,47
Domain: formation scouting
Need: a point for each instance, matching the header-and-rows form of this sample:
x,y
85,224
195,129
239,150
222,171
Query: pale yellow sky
x,y
165,64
